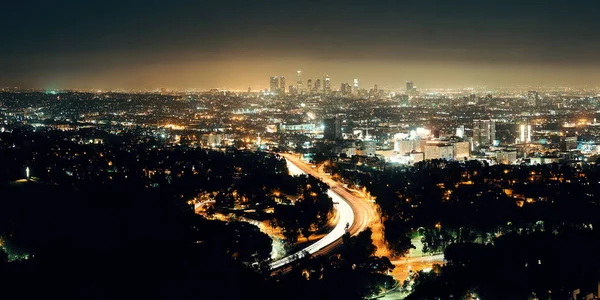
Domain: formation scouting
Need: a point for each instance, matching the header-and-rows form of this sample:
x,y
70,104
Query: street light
x,y
27,173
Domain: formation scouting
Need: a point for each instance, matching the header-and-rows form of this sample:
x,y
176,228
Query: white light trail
x,y
346,216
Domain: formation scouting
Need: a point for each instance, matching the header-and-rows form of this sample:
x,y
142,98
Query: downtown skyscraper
x,y
484,132
282,84
274,84
326,84
299,85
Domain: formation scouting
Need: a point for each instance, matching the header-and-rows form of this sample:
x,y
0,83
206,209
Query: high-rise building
x,y
309,85
375,91
460,131
346,89
317,87
410,88
333,128
525,136
274,84
282,84
439,151
326,84
484,132
299,86
462,150
355,87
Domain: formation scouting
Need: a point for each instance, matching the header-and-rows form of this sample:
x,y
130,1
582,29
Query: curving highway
x,y
350,208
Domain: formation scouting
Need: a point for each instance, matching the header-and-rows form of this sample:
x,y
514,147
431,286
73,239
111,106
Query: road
x,y
364,215
351,210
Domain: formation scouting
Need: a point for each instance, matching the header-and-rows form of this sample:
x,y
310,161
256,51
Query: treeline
x,y
311,210
539,265
116,244
354,273
507,232
467,202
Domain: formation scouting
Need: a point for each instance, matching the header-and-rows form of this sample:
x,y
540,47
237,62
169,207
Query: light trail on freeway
x,y
351,210
364,214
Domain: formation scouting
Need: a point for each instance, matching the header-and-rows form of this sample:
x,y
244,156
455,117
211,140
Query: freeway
x,y
363,214
351,210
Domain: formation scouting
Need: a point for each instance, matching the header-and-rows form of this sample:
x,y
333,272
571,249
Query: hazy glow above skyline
x,y
240,44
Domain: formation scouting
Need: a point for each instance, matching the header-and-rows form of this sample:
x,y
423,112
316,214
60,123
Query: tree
x,y
397,234
358,249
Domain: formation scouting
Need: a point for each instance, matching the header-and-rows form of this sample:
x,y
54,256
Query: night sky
x,y
239,44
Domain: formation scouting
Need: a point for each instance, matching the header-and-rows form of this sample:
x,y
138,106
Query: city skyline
x,y
300,149
237,44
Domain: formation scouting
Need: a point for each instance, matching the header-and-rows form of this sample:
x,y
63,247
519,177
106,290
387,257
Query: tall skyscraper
x,y
375,91
484,132
282,84
274,84
346,89
355,88
525,136
317,87
410,87
299,86
309,85
326,84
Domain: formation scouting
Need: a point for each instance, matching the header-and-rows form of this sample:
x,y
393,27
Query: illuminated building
x,y
462,150
309,85
326,84
299,86
484,132
460,131
375,91
282,84
416,157
405,146
410,88
504,156
367,148
525,133
333,128
271,128
355,88
274,85
297,127
439,151
317,86
345,88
